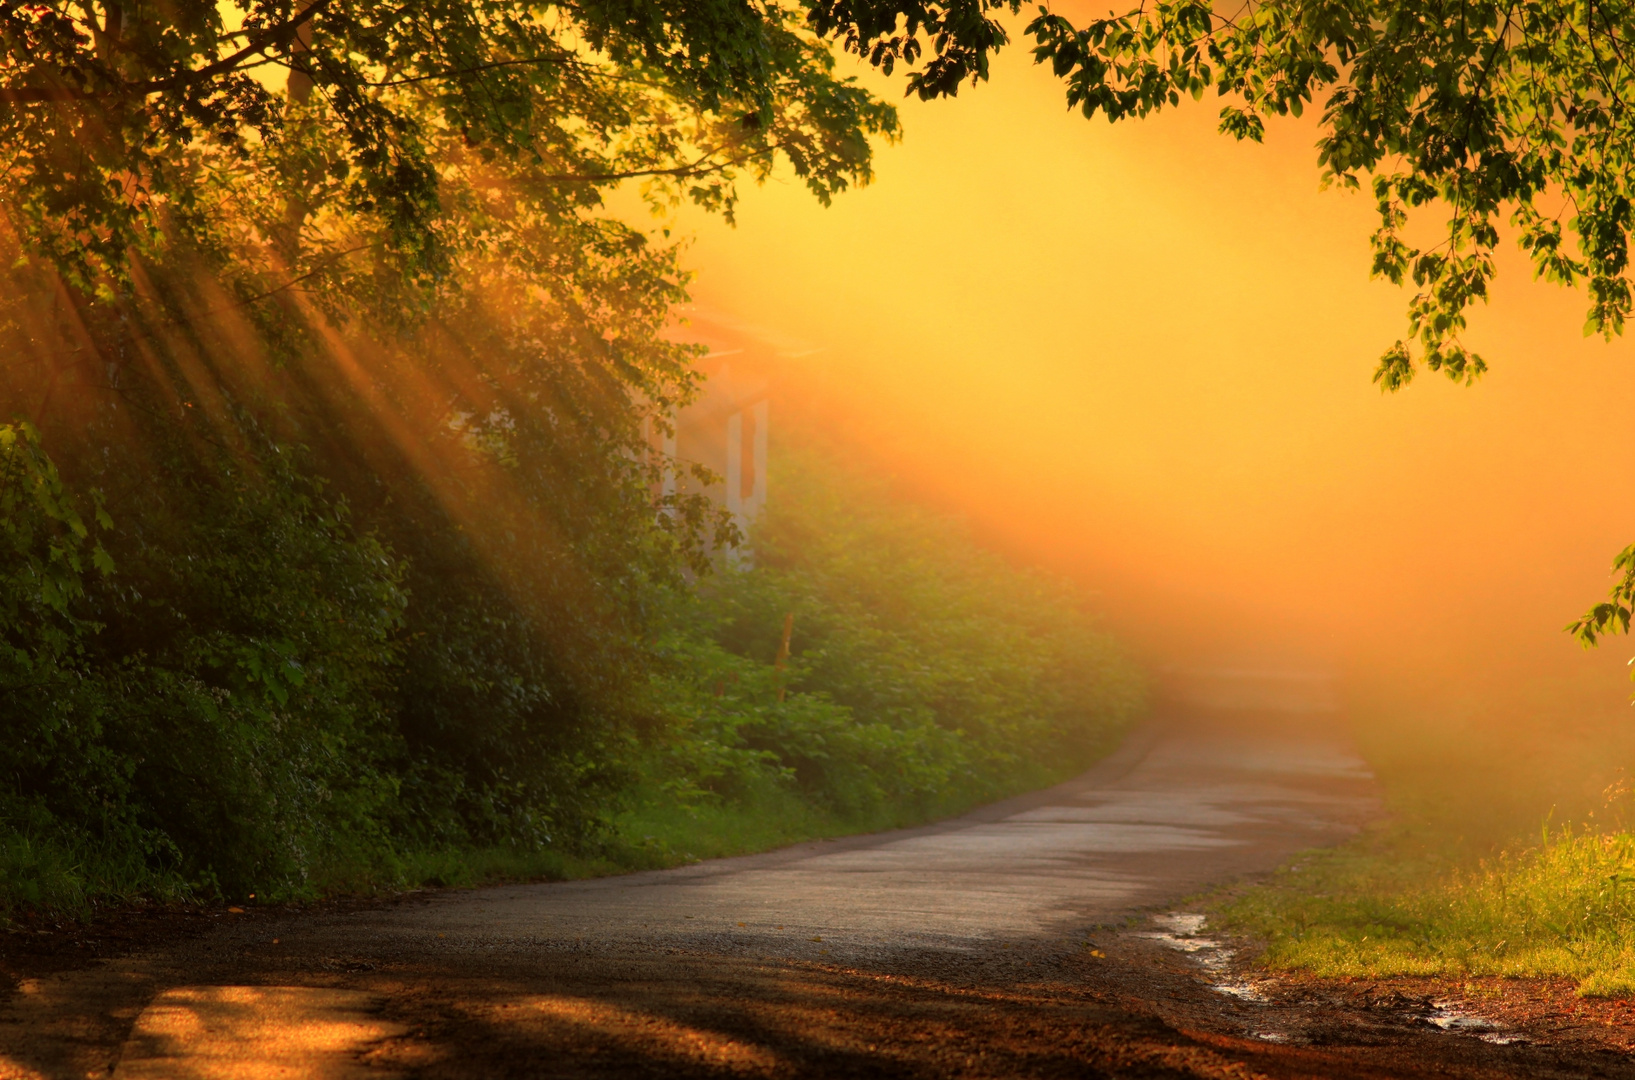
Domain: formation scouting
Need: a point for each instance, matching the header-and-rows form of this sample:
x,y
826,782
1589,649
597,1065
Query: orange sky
x,y
1142,354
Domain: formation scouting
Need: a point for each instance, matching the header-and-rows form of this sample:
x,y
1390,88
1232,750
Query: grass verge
x,y
43,876
1564,907
655,833
1468,876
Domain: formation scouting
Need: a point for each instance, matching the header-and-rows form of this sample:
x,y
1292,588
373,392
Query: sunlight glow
x,y
649,1033
253,1033
1142,353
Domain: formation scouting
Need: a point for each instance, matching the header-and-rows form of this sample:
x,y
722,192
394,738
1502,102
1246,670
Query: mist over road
x,y
982,946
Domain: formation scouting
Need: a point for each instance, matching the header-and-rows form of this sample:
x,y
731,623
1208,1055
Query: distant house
x,y
726,428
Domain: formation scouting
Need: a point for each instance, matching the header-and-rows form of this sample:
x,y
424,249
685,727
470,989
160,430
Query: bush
x,y
924,672
215,704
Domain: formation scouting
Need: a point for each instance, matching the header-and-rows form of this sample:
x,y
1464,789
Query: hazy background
x,y
1141,354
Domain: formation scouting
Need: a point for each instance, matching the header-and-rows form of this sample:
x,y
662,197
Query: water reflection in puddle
x,y
1448,1016
1183,932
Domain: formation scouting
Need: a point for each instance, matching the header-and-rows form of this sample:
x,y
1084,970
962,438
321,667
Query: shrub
x,y
216,703
924,672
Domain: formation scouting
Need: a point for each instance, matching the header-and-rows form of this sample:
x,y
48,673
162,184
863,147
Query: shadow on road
x,y
1013,942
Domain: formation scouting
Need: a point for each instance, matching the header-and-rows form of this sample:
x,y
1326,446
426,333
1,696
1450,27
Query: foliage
x,y
1499,108
1495,111
363,376
1612,615
924,673
347,561
376,236
240,716
1498,111
1565,907
1461,877
102,105
276,709
47,547
962,34
212,705
736,726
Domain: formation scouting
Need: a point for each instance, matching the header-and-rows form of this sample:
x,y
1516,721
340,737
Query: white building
x,y
726,428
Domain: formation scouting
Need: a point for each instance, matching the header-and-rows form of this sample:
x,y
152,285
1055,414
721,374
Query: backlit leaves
x,y
1485,110
103,106
1488,109
1612,615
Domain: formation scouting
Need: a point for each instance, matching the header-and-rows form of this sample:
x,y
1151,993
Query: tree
x,y
323,298
1491,112
1491,109
102,103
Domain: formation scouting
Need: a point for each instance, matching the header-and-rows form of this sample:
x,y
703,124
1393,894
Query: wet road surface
x,y
1035,937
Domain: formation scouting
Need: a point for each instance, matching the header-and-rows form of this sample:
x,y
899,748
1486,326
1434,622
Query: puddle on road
x,y
1242,989
1448,1016
1180,924
1183,932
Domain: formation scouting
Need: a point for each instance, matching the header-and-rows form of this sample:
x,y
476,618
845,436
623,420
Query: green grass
x,y
41,875
767,816
1467,877
1565,907
40,870
655,832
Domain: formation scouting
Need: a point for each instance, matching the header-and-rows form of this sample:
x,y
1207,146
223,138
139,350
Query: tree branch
x,y
257,43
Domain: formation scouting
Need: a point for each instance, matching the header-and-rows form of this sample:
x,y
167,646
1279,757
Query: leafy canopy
x,y
1498,110
322,297
104,102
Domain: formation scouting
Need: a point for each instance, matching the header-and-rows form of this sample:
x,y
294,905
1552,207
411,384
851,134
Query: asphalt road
x,y
1177,809
1043,936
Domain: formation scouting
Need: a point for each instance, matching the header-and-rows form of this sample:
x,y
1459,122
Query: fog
x,y
1142,353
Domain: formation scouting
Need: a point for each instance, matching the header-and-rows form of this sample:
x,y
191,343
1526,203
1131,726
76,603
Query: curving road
x,y
982,946
1175,810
